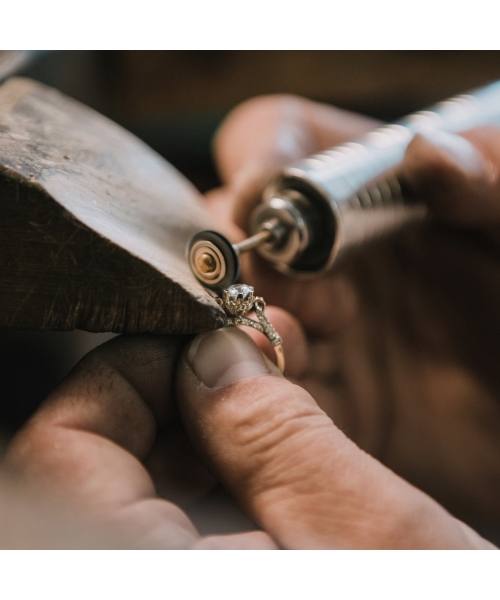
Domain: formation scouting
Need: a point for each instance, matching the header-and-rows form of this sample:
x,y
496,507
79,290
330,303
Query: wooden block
x,y
93,224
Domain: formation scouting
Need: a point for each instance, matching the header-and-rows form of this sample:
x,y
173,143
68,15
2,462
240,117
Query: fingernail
x,y
223,357
458,151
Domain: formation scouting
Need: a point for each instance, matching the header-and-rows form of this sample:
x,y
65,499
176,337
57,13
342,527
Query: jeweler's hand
x,y
97,448
288,465
403,343
103,447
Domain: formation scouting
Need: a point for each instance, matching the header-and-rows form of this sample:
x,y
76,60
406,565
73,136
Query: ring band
x,y
239,300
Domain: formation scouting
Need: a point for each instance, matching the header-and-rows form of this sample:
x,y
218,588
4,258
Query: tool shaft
x,y
254,241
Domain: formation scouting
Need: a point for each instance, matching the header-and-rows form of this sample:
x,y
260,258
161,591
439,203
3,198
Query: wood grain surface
x,y
94,224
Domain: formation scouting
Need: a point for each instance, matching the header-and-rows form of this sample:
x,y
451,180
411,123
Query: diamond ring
x,y
239,300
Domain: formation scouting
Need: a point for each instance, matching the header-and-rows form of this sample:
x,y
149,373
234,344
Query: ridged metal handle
x,y
355,185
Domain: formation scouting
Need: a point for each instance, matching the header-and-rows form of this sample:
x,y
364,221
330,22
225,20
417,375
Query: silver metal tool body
x,y
321,208
350,194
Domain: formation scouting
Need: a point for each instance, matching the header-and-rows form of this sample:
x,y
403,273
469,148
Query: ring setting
x,y
238,301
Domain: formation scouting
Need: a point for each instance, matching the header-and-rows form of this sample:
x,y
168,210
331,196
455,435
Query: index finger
x,y
268,132
85,440
282,128
456,175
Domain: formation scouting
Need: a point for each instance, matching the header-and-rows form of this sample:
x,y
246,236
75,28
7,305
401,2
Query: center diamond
x,y
238,299
240,290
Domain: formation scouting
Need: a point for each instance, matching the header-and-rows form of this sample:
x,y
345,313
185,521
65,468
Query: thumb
x,y
287,464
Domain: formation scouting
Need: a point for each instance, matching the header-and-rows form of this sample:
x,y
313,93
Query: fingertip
x,y
246,189
221,358
265,133
445,155
266,128
450,174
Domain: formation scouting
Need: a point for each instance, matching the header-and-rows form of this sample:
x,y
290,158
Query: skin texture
x,y
85,449
392,379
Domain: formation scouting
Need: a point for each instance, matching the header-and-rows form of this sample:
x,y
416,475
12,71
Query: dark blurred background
x,y
174,100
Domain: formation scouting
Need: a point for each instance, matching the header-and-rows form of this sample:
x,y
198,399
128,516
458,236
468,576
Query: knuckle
x,y
272,432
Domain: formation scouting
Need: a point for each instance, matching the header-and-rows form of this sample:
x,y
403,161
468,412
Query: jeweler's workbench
x,y
94,224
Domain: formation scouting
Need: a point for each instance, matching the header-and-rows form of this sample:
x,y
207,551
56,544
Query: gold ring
x,y
239,300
